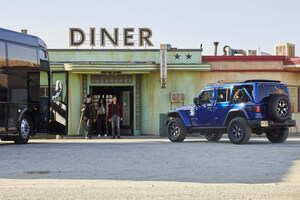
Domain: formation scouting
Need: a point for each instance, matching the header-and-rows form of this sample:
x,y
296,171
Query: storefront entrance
x,y
125,98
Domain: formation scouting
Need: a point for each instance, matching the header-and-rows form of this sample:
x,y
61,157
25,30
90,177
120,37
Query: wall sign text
x,y
78,37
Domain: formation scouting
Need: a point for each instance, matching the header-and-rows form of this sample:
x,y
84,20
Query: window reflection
x,y
2,55
3,87
21,56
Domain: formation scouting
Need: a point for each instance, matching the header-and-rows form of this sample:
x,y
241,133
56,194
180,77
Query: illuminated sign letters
x,y
78,37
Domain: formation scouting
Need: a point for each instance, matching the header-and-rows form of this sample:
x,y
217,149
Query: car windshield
x,y
206,96
265,92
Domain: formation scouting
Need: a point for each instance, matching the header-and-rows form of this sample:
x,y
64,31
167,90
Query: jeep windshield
x,y
265,92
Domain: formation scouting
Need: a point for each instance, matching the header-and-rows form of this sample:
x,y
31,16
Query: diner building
x,y
150,82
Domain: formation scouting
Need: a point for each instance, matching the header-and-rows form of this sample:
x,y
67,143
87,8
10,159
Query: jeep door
x,y
222,106
204,110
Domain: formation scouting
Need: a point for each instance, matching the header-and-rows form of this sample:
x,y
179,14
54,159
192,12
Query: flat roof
x,y
174,50
242,58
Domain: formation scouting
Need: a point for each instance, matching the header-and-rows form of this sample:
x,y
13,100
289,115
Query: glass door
x,y
127,108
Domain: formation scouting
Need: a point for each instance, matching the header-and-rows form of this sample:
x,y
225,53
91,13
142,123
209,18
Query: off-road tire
x,y
239,131
176,130
279,108
25,130
213,137
278,135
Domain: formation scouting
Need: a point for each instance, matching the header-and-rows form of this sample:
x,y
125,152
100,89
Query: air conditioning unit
x,y
177,97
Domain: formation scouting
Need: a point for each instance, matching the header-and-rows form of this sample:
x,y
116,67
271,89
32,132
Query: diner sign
x,y
78,37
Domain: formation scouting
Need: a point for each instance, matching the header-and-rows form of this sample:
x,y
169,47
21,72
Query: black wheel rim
x,y
174,130
282,108
236,130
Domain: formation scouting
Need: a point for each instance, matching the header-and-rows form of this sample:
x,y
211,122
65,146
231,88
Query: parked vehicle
x,y
27,105
239,109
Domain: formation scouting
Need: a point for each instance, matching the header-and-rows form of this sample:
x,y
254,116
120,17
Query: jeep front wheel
x,y
239,131
176,130
213,137
278,135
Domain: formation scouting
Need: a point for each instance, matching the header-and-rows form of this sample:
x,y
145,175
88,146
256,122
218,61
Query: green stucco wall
x,y
156,100
75,101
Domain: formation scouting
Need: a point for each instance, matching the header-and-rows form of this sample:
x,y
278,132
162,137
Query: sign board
x,y
78,37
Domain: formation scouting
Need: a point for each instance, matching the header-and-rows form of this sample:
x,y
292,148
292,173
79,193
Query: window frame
x,y
209,100
228,95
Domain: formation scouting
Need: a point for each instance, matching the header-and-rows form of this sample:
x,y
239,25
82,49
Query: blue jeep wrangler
x,y
239,109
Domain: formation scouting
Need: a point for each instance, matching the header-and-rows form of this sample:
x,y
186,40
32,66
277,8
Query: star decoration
x,y
177,56
188,56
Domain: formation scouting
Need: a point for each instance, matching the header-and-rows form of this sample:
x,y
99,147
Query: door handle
x,y
210,108
226,107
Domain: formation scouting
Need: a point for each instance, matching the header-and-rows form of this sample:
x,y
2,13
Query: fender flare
x,y
234,113
180,114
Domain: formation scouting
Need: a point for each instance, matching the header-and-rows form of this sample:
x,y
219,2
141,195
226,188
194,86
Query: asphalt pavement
x,y
150,168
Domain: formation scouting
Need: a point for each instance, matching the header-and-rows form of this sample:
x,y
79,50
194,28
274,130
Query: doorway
x,y
124,97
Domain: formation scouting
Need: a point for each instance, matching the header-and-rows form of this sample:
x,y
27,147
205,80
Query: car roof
x,y
13,36
243,83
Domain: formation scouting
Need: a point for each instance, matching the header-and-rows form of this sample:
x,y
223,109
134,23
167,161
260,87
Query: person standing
x,y
115,115
101,118
89,115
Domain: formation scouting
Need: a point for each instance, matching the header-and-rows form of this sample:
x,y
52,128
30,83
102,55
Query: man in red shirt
x,y
115,115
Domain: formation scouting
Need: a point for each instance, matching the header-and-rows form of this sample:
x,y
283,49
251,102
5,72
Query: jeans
x,y
115,121
89,128
101,121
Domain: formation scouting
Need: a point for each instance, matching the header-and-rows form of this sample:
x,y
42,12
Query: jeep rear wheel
x,y
176,130
278,135
279,108
213,137
239,131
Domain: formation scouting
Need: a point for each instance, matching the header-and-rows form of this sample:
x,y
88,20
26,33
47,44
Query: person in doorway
x,y
115,115
88,110
101,118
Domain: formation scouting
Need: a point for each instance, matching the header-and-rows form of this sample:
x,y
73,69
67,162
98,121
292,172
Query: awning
x,y
126,67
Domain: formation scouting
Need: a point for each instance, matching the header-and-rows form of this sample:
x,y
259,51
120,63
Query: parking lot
x,y
151,168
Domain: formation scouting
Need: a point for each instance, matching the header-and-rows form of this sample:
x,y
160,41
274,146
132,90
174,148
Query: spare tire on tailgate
x,y
279,108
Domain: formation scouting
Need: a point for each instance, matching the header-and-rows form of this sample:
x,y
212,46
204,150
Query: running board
x,y
214,129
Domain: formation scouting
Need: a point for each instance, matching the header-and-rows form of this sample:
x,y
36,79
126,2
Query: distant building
x,y
285,49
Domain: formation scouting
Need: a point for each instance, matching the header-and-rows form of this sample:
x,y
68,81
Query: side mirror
x,y
196,101
58,89
58,86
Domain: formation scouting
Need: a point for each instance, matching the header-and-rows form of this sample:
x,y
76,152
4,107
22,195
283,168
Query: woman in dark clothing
x,y
101,118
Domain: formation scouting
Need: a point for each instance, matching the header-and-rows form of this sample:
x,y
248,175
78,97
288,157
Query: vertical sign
x,y
163,65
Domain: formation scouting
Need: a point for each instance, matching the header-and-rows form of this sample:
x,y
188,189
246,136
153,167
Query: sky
x,y
183,24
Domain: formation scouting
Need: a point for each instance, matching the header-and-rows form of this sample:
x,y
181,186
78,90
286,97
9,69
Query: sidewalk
x,y
47,136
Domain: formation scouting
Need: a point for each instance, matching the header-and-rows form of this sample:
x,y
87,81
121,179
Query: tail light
x,y
292,109
256,109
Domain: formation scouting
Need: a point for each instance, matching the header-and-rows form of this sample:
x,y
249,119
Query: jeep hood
x,y
188,107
